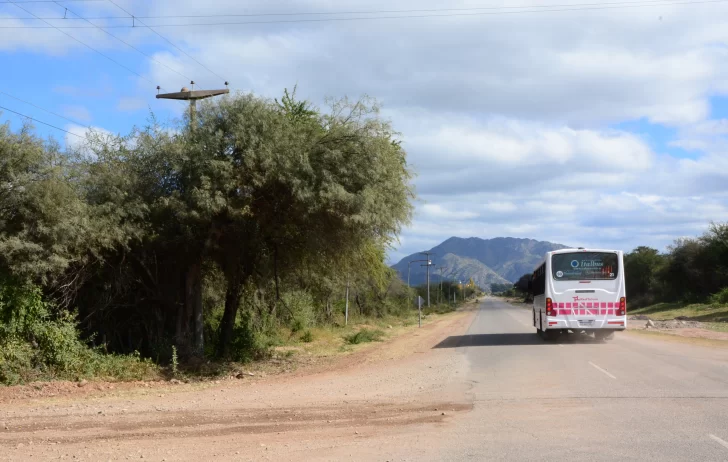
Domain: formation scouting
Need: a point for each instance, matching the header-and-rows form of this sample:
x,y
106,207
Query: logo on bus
x,y
584,299
559,274
574,264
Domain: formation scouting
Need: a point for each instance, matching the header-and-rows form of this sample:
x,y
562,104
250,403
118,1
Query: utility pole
x,y
429,263
192,96
408,271
193,291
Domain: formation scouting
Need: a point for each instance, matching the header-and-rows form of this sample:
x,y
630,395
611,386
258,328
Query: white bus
x,y
579,290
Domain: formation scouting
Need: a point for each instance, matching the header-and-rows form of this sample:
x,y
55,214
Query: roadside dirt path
x,y
343,408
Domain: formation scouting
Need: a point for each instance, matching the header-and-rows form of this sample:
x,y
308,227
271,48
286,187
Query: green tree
x,y
641,269
310,189
44,224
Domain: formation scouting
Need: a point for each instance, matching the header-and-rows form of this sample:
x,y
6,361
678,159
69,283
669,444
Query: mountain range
x,y
487,261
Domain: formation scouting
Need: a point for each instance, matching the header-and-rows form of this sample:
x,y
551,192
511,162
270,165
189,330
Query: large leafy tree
x,y
299,186
641,267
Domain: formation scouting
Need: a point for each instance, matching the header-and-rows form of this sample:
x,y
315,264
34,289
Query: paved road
x,y
629,399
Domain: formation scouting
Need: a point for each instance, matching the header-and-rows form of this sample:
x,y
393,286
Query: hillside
x,y
462,269
487,261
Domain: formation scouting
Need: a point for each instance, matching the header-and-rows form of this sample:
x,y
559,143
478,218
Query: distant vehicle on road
x,y
579,290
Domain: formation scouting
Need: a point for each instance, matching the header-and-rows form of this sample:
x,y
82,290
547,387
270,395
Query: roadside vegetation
x,y
172,249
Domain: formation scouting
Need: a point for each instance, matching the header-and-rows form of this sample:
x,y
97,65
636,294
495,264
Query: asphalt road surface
x,y
576,399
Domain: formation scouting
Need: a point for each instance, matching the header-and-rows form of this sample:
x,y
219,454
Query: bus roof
x,y
582,250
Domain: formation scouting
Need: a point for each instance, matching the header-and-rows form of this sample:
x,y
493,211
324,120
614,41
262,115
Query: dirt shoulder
x,y
327,355
341,400
679,327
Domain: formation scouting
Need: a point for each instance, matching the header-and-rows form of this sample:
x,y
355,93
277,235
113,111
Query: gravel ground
x,y
378,391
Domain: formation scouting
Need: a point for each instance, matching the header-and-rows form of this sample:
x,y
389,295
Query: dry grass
x,y
696,312
715,317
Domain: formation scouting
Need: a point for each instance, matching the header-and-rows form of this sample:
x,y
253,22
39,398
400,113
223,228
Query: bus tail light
x,y
622,306
549,307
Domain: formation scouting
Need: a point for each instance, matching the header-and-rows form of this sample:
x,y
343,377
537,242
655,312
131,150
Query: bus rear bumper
x,y
587,324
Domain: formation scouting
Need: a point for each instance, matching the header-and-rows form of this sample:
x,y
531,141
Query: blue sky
x,y
604,128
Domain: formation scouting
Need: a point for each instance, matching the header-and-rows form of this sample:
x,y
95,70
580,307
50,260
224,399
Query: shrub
x,y
35,345
301,310
720,298
364,336
307,337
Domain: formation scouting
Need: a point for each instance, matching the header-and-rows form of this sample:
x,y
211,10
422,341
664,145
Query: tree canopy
x,y
158,237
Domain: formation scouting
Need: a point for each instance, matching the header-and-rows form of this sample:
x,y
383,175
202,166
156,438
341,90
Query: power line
x,y
431,10
45,110
168,41
369,18
41,122
123,41
86,45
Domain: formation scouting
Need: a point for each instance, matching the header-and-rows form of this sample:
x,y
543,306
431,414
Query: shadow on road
x,y
464,341
476,340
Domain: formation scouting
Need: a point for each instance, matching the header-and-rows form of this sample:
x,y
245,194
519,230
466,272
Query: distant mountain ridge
x,y
486,261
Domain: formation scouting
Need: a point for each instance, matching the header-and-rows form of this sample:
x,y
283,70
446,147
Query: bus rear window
x,y
584,266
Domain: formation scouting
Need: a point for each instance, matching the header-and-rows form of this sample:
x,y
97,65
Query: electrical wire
x,y
330,13
123,41
369,18
86,45
41,122
45,110
169,41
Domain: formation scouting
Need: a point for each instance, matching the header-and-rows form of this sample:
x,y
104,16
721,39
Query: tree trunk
x,y
275,272
193,309
232,304
359,304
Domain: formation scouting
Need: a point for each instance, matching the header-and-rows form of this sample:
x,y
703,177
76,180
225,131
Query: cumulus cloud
x,y
77,112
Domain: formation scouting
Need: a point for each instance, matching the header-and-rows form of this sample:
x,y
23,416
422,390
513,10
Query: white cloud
x,y
81,137
77,112
455,154
436,211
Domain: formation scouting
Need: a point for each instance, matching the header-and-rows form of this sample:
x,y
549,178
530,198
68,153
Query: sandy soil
x,y
326,411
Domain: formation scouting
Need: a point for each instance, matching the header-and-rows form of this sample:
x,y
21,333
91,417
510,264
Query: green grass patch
x,y
695,312
438,309
364,336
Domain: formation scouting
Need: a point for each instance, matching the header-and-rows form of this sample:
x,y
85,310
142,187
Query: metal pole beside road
x,y
429,263
346,313
419,310
408,271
